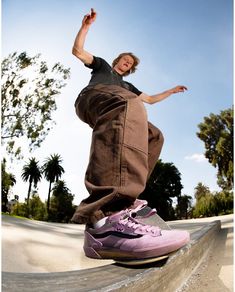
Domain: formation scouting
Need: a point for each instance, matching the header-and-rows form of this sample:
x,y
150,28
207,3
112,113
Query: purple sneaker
x,y
123,237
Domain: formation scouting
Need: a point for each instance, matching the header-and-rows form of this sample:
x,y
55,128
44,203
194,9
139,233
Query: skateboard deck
x,y
138,262
155,220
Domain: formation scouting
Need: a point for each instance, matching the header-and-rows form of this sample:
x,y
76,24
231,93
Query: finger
x,y
181,88
93,13
86,16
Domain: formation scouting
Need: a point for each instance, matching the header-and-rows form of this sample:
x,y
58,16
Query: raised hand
x,y
89,18
179,88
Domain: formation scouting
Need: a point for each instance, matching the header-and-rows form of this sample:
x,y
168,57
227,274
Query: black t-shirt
x,y
102,73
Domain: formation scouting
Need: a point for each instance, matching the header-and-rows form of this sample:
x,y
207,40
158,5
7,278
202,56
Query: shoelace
x,y
130,222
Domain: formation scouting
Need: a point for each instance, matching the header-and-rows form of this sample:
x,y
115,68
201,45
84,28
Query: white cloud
x,y
197,157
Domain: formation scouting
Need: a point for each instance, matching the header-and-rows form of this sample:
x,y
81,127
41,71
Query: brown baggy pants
x,y
124,150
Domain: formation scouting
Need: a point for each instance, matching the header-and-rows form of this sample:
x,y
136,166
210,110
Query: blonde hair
x,y
133,68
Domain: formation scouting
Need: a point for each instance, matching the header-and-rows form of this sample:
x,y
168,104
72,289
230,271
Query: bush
x,y
37,209
220,203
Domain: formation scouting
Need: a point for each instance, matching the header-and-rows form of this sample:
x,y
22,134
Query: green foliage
x,y
32,173
205,206
29,88
217,133
163,185
62,208
201,191
52,170
209,204
224,202
36,210
183,206
8,180
20,209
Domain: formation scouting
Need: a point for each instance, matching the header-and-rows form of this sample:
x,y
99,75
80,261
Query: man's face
x,y
125,63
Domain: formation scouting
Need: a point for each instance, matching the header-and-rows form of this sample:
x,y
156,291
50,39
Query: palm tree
x,y
32,173
201,190
8,181
52,171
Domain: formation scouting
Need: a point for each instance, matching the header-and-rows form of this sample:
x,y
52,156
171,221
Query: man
x,y
124,150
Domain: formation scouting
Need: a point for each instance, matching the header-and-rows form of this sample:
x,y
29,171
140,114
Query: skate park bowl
x,y
42,256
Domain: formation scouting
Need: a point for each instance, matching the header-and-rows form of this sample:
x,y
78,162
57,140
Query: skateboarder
x,y
124,150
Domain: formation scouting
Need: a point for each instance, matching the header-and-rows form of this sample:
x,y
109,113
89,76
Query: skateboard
x,y
139,262
155,220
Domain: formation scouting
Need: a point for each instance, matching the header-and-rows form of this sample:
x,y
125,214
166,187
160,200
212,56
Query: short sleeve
x,y
133,89
96,64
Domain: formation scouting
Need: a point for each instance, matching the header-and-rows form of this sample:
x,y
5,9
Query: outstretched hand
x,y
177,89
89,18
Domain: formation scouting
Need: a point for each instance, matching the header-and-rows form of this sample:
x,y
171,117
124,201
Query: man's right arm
x,y
78,47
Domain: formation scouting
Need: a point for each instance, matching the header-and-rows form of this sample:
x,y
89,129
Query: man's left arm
x,y
151,99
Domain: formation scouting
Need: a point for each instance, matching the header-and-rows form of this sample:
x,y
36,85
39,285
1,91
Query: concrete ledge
x,y
164,276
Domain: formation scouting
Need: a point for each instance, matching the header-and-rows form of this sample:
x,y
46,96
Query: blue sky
x,y
178,42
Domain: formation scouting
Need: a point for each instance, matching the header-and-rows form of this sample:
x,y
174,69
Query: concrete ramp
x,y
50,258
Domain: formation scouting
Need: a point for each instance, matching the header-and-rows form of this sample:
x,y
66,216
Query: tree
x,y
212,204
61,203
32,173
205,206
20,209
8,181
224,202
29,88
163,185
201,190
37,208
52,171
183,206
217,133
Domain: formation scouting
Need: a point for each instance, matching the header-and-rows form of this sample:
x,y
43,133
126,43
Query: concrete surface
x,y
216,271
47,251
39,247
